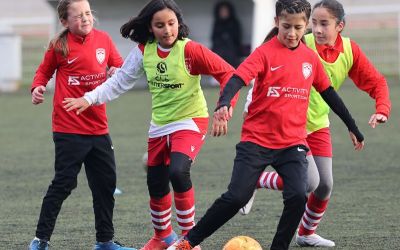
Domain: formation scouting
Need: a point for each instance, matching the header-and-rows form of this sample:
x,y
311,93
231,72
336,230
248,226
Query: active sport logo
x,y
273,91
73,80
162,67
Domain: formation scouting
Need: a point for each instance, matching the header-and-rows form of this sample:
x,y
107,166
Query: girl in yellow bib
x,y
341,58
172,64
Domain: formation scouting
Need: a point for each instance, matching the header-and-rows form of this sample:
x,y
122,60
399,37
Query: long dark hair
x,y
137,29
290,7
334,8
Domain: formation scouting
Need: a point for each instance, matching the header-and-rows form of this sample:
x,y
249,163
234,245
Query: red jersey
x,y
277,115
81,71
363,73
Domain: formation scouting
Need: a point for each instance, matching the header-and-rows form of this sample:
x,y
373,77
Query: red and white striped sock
x,y
160,209
185,210
315,209
270,180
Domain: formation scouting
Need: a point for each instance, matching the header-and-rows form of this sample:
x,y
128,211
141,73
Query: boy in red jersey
x,y
80,55
341,58
274,131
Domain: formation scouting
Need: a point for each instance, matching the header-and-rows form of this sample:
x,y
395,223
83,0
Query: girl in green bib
x,y
341,58
172,65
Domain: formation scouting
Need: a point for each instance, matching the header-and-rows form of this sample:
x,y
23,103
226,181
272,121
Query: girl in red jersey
x,y
173,65
274,131
341,57
80,55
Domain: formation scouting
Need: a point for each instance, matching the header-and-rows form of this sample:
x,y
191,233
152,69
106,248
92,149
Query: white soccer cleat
x,y
247,208
313,240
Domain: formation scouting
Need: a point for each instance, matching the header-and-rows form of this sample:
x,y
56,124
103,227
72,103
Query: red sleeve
x,y
202,61
321,81
115,58
251,66
141,47
45,70
367,78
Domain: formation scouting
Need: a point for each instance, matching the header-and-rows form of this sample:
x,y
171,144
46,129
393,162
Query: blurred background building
x,y
26,26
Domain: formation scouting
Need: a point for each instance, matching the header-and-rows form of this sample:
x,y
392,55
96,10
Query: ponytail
x,y
60,44
274,31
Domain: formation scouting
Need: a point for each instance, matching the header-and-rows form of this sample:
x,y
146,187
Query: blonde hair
x,y
59,42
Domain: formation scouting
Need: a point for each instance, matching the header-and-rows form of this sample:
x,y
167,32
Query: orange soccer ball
x,y
242,243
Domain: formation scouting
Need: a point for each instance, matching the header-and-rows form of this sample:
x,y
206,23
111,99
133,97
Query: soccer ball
x,y
242,243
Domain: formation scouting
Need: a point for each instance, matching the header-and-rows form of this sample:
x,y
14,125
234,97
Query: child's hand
x,y
377,118
357,144
219,125
223,113
37,95
76,103
111,71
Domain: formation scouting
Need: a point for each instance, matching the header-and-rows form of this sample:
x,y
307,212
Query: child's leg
x,y
321,146
101,175
185,145
272,180
291,165
248,166
179,172
158,186
160,200
70,151
318,201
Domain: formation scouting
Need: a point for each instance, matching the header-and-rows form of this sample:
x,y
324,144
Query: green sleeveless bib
x,y
318,110
176,94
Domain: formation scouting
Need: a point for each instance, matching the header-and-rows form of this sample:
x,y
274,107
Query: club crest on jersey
x,y
307,70
100,55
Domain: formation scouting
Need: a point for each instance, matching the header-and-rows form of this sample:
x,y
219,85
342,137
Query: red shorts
x,y
320,143
187,142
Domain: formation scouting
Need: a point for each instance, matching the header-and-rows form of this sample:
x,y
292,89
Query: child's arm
x,y
367,78
42,76
336,104
246,72
115,60
224,112
122,81
205,62
328,93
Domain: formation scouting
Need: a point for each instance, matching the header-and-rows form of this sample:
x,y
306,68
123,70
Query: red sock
x,y
160,209
270,180
315,209
185,210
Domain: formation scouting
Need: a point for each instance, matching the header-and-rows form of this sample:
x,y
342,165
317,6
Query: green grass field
x,y
363,213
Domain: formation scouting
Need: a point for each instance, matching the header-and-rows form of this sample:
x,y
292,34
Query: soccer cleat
x,y
313,240
37,244
111,246
245,210
157,243
182,244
